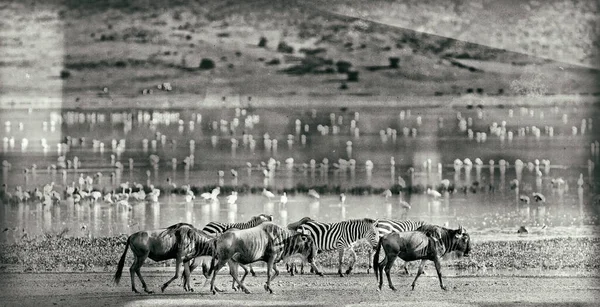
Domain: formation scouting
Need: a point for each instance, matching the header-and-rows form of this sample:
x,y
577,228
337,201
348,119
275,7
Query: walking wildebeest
x,y
428,242
181,242
267,242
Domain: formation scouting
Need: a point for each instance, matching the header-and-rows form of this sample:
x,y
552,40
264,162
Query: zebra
x,y
385,227
267,242
341,235
215,229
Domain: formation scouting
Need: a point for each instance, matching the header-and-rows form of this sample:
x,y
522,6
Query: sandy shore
x,y
184,101
97,289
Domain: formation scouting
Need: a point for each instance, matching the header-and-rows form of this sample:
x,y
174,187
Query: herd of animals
x,y
259,239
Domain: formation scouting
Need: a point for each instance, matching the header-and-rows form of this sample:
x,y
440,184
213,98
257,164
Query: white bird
x,y
433,193
405,205
525,199
387,194
313,193
96,195
342,198
283,199
231,199
538,197
268,193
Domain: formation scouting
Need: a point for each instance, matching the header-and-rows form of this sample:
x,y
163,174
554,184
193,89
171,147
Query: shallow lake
x,y
228,139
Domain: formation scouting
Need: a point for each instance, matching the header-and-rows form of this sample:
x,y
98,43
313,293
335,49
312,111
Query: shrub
x,y
353,76
283,47
207,64
64,74
394,61
343,66
275,61
262,42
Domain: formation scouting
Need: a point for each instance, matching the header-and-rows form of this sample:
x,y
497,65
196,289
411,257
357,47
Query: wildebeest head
x,y
265,217
304,245
463,241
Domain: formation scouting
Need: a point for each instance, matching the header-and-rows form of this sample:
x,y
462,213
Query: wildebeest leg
x,y
270,263
419,272
379,272
132,273
252,271
137,265
216,267
351,266
370,266
340,258
178,261
388,267
233,271
245,273
438,268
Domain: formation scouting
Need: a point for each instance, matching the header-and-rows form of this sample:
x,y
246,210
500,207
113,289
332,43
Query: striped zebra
x,y
267,242
215,229
385,227
341,235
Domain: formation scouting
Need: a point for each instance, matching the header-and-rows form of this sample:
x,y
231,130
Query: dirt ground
x,y
97,289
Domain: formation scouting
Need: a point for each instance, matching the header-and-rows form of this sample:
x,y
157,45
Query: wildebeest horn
x,y
460,229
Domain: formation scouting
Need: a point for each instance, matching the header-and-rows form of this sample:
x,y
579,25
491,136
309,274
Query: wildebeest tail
x,y
214,258
376,258
121,263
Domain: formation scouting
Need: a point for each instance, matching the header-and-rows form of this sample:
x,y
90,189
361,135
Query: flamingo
x,y
433,193
283,199
154,194
580,181
524,199
538,197
313,194
268,193
231,199
387,193
405,205
342,198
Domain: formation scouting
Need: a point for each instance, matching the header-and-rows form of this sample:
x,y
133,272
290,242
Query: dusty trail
x,y
97,289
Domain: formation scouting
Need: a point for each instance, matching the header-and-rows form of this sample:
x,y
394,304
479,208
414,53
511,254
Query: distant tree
x,y
353,76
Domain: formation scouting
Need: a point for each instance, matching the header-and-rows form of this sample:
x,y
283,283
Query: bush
x,y
64,74
207,64
262,43
343,66
353,76
284,48
273,62
394,61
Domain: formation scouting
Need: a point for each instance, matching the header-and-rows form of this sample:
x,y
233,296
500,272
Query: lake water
x,y
224,141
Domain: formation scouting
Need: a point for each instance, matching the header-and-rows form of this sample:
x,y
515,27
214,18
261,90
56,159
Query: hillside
x,y
73,50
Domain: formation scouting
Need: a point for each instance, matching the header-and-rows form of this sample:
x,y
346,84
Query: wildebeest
x,y
429,242
181,242
215,229
267,242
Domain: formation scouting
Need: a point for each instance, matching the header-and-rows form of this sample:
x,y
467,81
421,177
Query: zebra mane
x,y
261,217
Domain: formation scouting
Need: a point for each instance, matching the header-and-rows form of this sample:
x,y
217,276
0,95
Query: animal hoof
x,y
444,288
162,289
191,289
253,274
393,288
149,292
320,274
348,271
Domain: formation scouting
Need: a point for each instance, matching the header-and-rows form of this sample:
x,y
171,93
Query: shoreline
x,y
186,101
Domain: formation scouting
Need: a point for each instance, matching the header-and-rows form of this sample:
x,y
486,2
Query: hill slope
x,y
129,46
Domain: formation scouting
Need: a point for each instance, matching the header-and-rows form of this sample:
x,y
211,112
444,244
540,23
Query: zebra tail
x,y
121,263
376,258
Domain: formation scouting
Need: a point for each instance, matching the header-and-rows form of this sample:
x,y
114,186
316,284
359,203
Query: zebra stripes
x,y
216,228
385,227
341,235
